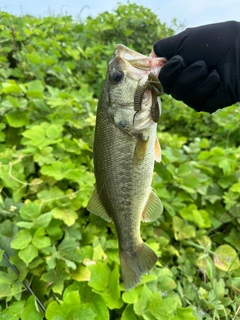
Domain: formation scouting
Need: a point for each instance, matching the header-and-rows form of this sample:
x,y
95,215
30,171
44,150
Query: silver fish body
x,y
125,148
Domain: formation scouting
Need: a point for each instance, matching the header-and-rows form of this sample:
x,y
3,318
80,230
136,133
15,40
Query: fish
x,y
125,148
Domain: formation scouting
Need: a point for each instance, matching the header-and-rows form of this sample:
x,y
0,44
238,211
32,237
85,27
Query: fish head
x,y
133,90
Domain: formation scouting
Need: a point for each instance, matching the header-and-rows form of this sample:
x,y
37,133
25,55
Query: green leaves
x,y
52,73
226,258
17,119
56,277
28,254
40,240
43,135
30,211
71,308
235,187
99,276
62,170
13,312
199,217
106,282
150,305
67,215
162,308
22,240
184,313
30,311
11,87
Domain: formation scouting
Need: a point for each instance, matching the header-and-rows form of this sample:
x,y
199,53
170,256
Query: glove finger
x,y
167,47
203,90
188,79
170,71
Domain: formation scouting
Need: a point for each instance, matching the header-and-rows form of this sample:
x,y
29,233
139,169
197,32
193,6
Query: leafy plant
x,y
51,71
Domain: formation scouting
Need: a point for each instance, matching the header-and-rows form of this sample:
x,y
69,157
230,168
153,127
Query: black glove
x,y
203,67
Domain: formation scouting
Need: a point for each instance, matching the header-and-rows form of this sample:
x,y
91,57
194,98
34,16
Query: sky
x,y
189,13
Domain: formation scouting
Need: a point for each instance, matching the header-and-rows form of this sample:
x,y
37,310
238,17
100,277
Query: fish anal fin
x,y
135,264
157,151
95,206
153,208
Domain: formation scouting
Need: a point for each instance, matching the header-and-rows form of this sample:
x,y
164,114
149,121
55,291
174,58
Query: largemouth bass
x,y
125,147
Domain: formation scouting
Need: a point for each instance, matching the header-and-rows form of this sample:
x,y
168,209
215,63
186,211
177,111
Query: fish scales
x,y
124,162
127,192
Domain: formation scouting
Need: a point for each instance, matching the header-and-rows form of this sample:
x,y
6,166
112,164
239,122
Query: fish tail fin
x,y
135,264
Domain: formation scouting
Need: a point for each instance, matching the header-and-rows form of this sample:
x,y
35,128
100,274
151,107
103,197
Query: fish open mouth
x,y
145,70
140,61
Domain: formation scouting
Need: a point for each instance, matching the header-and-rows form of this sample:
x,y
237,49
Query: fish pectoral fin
x,y
95,206
157,151
153,208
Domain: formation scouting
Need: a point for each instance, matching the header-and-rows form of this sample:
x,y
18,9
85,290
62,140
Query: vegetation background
x,y
51,75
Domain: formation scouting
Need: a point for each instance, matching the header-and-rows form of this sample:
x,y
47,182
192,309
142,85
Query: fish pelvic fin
x,y
153,208
95,206
135,264
157,151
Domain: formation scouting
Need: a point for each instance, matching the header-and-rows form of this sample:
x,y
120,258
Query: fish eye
x,y
116,76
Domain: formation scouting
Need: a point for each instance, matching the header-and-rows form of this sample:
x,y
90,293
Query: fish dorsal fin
x,y
157,151
95,206
153,208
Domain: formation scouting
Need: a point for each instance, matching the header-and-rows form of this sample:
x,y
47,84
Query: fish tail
x,y
135,264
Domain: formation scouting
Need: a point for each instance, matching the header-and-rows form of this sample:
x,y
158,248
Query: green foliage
x,y
51,72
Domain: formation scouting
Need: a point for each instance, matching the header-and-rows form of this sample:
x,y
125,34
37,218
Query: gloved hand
x,y
203,67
